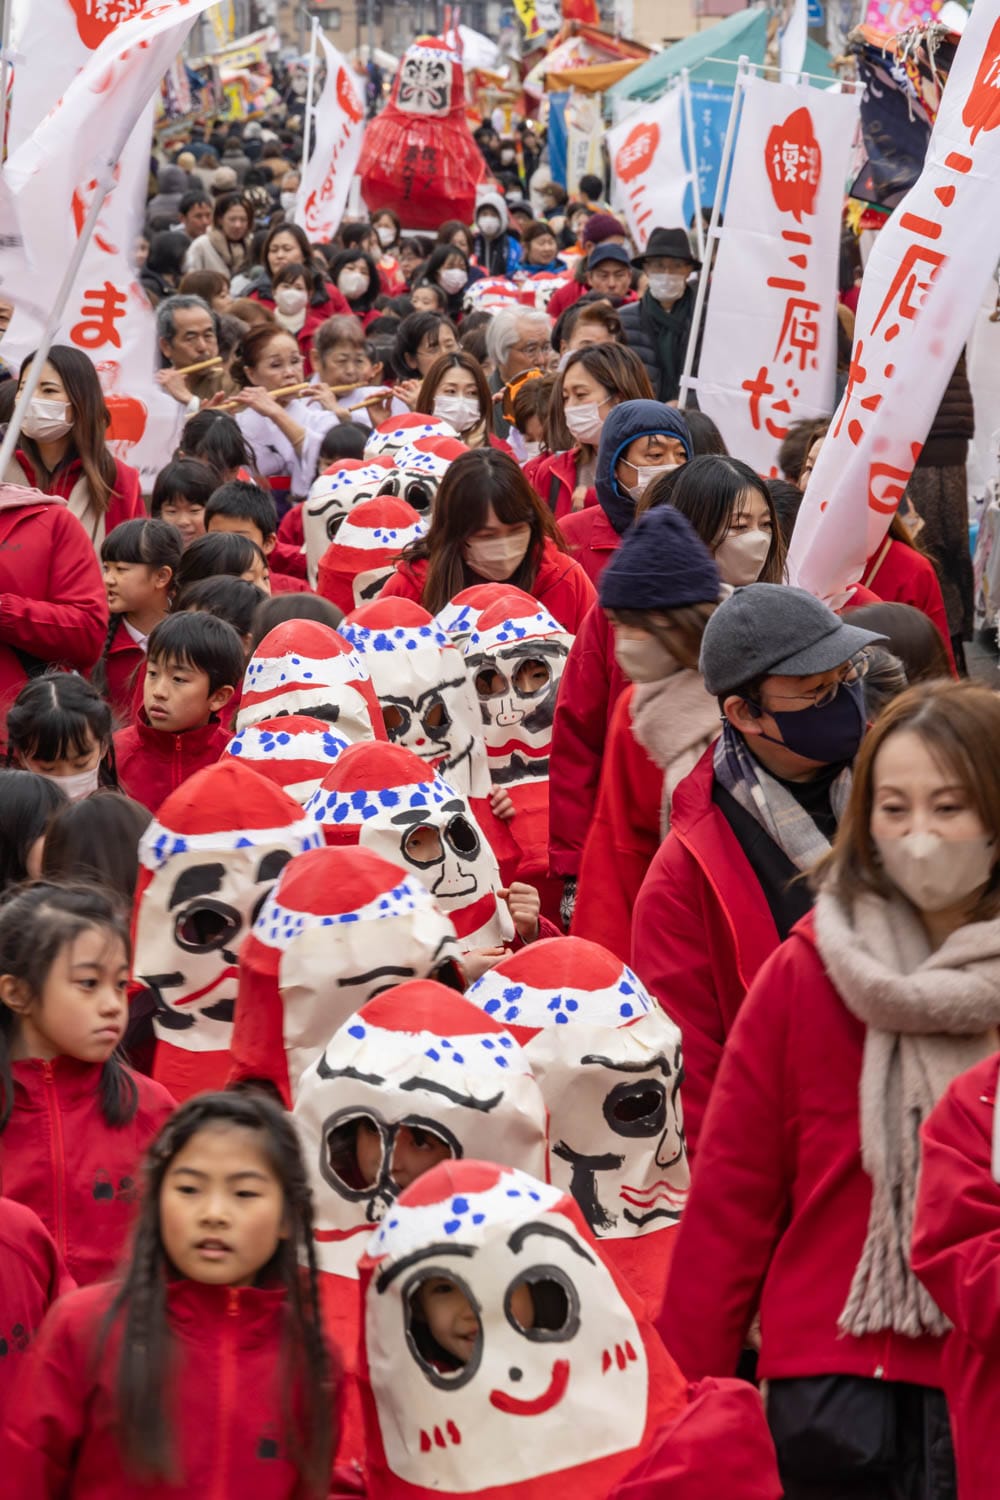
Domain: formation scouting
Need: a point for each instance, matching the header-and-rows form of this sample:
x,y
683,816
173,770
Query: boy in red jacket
x,y
248,510
194,664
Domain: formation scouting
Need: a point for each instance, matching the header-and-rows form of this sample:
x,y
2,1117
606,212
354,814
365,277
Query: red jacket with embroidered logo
x,y
152,763
779,1204
956,1234
225,1402
32,1276
60,1157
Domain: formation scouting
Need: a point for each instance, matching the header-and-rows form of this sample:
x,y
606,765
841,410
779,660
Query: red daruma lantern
x,y
418,156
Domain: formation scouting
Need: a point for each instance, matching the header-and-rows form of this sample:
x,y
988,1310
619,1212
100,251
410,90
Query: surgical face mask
x,y
76,787
585,422
47,421
646,660
507,157
936,873
740,556
489,224
499,557
530,450
352,283
452,280
829,733
288,202
461,411
386,235
646,475
668,286
290,300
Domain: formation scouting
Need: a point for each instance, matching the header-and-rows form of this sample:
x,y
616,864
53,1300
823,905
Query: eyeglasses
x,y
854,670
532,351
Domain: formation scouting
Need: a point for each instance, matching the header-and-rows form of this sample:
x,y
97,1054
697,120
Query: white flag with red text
x,y
769,350
922,287
340,124
648,174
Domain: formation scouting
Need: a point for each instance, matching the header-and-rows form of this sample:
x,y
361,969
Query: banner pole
x,y
699,228
105,184
310,105
5,61
742,72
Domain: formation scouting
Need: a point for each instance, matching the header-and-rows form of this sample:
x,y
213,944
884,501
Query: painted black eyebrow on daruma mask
x,y
200,880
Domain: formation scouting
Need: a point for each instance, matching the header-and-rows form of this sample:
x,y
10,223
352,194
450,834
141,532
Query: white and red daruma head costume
x,y
538,289
418,1057
610,1066
491,294
333,496
364,553
428,703
304,667
460,616
341,926
563,1407
208,859
399,432
418,469
294,752
387,799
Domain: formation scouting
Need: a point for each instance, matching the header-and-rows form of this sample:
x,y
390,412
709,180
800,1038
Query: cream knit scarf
x,y
675,719
930,1015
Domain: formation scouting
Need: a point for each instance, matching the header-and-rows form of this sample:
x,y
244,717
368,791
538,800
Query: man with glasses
x,y
517,340
753,817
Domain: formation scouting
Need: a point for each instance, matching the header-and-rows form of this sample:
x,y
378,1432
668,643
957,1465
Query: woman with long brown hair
x,y
489,526
455,388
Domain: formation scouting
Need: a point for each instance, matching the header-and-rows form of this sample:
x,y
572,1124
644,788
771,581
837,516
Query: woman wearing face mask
x,y
285,245
448,268
731,509
496,250
489,526
284,432
455,388
387,228
356,278
658,592
294,286
847,1038
60,727
591,383
63,446
226,246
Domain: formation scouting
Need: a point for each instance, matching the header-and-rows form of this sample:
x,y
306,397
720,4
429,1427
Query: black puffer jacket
x,y
954,425
660,339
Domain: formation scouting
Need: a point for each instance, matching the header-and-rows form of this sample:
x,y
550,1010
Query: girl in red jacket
x,y
203,1371
74,1120
140,559
60,727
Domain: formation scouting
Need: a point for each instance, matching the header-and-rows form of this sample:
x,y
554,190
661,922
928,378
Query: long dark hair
x,y
27,803
707,490
88,439
216,553
97,840
458,360
366,301
215,438
36,923
480,479
141,1302
51,718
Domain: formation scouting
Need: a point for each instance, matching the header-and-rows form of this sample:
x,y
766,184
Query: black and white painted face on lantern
x,y
516,662
425,81
302,667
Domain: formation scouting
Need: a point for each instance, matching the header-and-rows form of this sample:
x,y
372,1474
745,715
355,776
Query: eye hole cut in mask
x,y
414,724
361,1152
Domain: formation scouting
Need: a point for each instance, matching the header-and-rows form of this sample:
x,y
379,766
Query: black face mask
x,y
829,733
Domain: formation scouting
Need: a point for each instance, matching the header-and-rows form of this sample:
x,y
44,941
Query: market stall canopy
x,y
581,46
594,78
742,34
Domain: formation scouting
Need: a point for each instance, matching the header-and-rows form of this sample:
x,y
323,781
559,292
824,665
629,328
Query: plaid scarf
x,y
782,818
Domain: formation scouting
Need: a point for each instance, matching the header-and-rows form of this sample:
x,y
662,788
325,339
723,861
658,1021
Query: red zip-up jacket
x,y
701,929
32,1276
126,503
556,474
124,670
901,575
152,763
779,1204
60,1157
225,1401
591,539
956,1234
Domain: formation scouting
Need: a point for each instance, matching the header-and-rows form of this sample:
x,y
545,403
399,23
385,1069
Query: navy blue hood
x,y
630,420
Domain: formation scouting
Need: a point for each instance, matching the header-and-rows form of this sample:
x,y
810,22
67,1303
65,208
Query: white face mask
x,y
644,660
489,224
936,873
290,300
288,201
497,558
530,451
452,280
461,411
352,283
386,235
83,784
645,476
47,421
740,556
585,422
668,286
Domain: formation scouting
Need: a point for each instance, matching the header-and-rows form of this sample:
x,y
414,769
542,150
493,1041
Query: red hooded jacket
x,y
226,1403
53,607
126,503
553,477
591,539
152,763
779,1204
32,1276
955,1237
901,575
60,1157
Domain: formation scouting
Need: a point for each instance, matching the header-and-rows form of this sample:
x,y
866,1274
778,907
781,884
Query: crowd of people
x,y
432,826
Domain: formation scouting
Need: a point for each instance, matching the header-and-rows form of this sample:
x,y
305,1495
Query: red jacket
x,y
32,1276
555,475
565,296
152,763
560,585
779,1204
124,673
224,1398
336,304
52,601
591,685
285,583
901,575
286,557
60,1157
700,931
126,502
955,1237
591,539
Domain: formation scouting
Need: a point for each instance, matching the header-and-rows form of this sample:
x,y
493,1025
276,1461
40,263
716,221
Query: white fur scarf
x,y
930,1015
675,719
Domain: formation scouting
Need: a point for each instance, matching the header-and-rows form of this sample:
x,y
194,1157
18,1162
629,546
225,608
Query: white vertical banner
x,y
340,125
923,284
768,355
793,39
649,176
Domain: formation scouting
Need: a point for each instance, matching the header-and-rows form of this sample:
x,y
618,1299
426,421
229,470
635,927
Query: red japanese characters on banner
x,y
649,178
339,129
96,19
923,285
794,163
635,155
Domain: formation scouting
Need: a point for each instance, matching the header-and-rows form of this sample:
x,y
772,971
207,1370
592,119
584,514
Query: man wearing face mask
x,y
756,813
657,327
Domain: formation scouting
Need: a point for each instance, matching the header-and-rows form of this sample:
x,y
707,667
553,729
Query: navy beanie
x,y
662,563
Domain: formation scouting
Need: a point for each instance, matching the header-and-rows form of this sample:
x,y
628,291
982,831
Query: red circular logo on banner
x,y
794,164
635,155
347,96
982,108
95,21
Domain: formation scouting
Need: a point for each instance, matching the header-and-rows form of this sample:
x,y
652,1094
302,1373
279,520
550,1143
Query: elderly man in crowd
x,y
517,340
